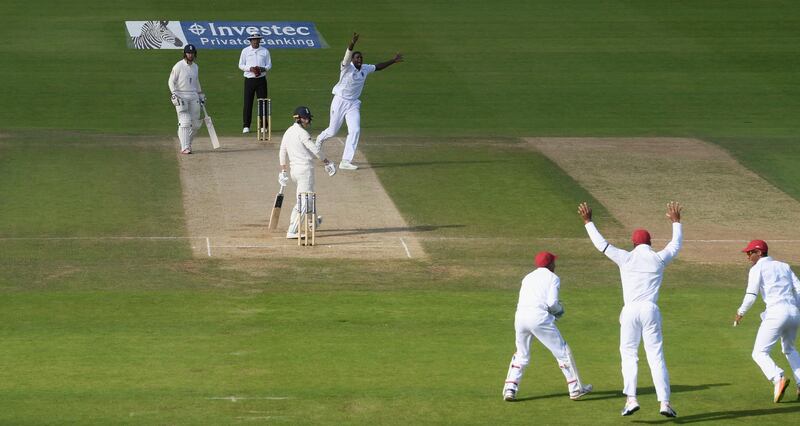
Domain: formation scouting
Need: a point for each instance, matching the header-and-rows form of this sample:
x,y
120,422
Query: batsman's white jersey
x,y
641,272
299,152
345,106
780,289
184,82
538,297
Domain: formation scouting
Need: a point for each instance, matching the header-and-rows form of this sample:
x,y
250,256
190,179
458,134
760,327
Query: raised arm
x,y
348,54
599,242
674,246
397,58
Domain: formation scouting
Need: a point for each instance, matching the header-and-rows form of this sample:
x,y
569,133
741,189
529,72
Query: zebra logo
x,y
153,33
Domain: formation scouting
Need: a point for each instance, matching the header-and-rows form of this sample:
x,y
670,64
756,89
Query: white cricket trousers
x,y
642,321
348,111
188,121
303,176
777,322
540,325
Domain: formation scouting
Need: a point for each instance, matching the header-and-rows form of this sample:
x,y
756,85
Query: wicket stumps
x,y
307,229
264,121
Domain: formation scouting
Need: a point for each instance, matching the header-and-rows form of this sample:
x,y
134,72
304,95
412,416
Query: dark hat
x,y
189,48
302,112
255,36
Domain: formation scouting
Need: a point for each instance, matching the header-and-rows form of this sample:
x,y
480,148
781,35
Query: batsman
x,y
537,310
187,96
297,156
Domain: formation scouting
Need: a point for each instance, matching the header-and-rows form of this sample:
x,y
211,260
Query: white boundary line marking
x,y
208,246
408,253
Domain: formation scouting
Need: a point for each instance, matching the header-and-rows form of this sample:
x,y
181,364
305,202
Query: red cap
x,y
544,258
640,236
757,245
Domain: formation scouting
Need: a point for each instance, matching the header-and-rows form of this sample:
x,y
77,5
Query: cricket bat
x,y
210,126
276,210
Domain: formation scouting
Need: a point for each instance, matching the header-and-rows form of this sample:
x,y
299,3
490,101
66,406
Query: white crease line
x,y
242,398
208,246
95,238
261,417
337,245
408,253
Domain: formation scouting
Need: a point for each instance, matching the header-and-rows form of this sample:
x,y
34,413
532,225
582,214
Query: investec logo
x,y
240,30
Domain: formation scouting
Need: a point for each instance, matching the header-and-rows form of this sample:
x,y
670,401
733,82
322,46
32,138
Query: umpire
x,y
254,62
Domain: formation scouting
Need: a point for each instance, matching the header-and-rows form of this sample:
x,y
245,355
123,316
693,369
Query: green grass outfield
x,y
98,327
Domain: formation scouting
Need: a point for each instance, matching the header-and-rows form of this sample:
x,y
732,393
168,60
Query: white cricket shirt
x,y
539,290
642,269
775,281
351,80
184,81
297,148
254,58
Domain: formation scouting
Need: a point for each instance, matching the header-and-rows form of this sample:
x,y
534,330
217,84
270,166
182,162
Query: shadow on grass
x,y
420,228
381,165
618,393
716,416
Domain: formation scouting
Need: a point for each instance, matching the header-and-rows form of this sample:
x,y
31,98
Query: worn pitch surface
x,y
725,204
228,195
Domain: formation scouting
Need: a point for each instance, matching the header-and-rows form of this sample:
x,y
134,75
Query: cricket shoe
x,y
509,395
581,392
780,389
186,151
667,411
346,165
631,406
245,130
291,236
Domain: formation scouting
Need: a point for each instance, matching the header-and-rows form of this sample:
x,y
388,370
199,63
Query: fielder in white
x,y
299,151
641,272
187,96
345,105
780,289
537,310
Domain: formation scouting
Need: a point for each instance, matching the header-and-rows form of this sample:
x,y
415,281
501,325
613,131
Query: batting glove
x,y
175,100
330,168
283,178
